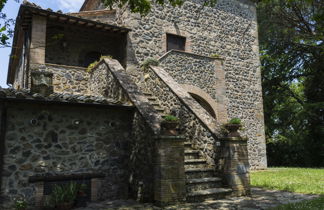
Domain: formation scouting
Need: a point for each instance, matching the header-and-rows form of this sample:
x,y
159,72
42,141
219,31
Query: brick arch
x,y
203,98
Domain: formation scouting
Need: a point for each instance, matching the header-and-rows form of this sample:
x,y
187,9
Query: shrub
x,y
170,118
64,193
235,121
149,62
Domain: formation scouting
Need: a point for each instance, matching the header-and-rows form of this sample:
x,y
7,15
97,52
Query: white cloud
x,y
70,5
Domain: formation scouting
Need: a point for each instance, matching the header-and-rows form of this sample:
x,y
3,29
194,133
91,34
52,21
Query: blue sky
x,y
11,9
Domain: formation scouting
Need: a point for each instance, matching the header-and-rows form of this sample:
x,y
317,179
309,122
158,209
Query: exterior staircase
x,y
201,182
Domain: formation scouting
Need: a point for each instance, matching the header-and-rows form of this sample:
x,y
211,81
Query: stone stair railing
x,y
195,122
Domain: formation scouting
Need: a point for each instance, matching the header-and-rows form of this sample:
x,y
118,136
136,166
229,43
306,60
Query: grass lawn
x,y
300,180
315,204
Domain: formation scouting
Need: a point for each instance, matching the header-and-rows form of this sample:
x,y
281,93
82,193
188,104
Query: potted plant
x,y
232,127
63,196
169,125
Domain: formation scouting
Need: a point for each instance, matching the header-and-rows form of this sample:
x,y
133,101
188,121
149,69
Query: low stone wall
x,y
54,140
103,83
69,79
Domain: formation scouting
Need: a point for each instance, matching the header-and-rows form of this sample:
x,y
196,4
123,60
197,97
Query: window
x,y
175,42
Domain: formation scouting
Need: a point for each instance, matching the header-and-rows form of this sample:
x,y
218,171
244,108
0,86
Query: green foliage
x,y
149,62
143,7
20,204
64,193
235,121
299,180
292,48
5,26
170,118
315,204
215,56
93,64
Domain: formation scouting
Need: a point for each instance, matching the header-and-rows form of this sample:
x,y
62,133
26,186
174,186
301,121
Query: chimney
x,y
42,82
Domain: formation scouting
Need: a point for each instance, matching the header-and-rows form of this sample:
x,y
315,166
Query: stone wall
x,y
141,161
58,140
68,79
103,16
103,83
191,69
228,30
69,45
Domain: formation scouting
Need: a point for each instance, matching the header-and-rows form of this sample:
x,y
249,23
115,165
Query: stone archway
x,y
203,98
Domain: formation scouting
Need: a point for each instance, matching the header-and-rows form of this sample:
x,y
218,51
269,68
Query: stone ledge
x,y
42,178
179,138
187,53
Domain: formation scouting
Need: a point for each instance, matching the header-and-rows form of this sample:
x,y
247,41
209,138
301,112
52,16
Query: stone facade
x,y
56,140
87,125
229,31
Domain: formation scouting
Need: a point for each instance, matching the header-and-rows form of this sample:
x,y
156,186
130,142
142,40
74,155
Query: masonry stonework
x,y
229,30
58,140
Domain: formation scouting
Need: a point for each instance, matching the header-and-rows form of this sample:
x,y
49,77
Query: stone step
x,y
202,184
188,143
159,109
147,94
155,103
208,194
152,98
195,163
191,154
196,173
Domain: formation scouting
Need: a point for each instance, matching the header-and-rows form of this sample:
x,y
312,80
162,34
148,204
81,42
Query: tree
x,y
291,36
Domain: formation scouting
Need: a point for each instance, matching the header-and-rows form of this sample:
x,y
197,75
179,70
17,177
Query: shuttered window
x,y
175,42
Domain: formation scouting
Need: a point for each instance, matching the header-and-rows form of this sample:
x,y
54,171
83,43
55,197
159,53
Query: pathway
x,y
260,199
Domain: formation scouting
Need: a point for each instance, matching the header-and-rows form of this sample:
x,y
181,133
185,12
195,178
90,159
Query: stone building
x,y
64,120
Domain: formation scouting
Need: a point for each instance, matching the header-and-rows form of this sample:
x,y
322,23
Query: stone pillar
x,y
234,164
220,89
42,82
38,40
169,175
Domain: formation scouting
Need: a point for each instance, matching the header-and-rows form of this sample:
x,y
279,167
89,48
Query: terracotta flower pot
x,y
233,130
169,128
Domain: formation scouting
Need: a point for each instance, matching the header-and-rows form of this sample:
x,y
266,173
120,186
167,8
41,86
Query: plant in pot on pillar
x,y
232,127
169,125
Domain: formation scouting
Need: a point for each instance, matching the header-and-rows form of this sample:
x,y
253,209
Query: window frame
x,y
176,36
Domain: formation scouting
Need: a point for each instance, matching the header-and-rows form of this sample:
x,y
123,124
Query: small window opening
x,y
175,42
